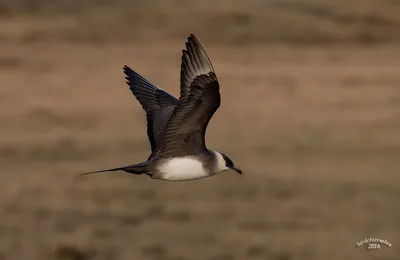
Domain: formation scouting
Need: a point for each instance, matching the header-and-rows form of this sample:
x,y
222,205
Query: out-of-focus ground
x,y
310,111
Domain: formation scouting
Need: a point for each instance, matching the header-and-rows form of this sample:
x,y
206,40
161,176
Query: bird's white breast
x,y
182,168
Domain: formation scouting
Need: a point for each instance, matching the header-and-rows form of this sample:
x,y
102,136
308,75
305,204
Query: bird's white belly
x,y
183,168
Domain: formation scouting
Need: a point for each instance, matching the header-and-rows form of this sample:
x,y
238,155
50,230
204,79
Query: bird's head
x,y
226,163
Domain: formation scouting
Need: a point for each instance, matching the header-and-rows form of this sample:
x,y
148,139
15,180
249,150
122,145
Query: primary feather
x,y
157,104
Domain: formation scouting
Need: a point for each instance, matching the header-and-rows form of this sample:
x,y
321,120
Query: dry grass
x,y
315,129
225,21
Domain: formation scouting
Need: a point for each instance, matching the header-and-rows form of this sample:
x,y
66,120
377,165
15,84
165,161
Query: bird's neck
x,y
220,164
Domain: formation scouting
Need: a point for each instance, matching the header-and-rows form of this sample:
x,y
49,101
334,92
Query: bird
x,y
176,128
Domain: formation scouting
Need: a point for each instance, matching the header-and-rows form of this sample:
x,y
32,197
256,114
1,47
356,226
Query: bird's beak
x,y
237,170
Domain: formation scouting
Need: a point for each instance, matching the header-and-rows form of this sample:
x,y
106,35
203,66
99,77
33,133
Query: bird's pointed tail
x,y
107,170
139,168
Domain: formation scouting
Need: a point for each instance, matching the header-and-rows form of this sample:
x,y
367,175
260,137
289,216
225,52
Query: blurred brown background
x,y
310,111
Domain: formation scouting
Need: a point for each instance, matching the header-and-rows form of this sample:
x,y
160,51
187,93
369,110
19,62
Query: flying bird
x,y
176,128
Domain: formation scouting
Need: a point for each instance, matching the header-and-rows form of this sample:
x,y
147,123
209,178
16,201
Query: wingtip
x,y
127,78
193,38
128,73
126,68
193,45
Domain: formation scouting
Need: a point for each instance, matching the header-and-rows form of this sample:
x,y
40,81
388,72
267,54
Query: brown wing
x,y
187,125
157,104
198,102
195,62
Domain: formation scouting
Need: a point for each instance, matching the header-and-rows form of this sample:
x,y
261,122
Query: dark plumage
x,y
176,128
157,104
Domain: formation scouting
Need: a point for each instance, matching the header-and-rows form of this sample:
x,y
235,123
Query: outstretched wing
x,y
157,104
195,62
199,100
